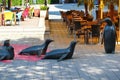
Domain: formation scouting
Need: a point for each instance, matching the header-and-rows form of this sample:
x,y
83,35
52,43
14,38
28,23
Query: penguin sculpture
x,y
6,51
62,54
109,36
37,49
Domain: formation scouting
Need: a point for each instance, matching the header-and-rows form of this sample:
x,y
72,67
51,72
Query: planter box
x,y
43,13
37,12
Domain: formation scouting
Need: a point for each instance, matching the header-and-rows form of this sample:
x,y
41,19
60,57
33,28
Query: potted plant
x,y
44,11
43,7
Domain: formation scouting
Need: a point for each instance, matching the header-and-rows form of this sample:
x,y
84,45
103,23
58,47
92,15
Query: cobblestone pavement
x,y
89,62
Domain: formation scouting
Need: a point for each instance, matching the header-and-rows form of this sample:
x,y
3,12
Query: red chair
x,y
25,13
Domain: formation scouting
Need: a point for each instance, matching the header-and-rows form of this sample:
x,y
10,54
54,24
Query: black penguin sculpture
x,y
61,54
6,51
37,49
109,36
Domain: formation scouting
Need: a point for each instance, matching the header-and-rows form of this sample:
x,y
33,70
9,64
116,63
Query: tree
x,y
88,4
111,4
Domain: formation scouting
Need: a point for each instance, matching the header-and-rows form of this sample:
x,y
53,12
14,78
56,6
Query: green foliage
x,y
16,2
89,3
31,1
19,2
43,7
49,1
54,1
40,1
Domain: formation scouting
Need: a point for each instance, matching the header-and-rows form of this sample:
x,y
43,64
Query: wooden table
x,y
86,27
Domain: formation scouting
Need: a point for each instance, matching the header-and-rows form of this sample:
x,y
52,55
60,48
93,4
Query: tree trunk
x,y
86,9
9,4
99,10
45,2
111,12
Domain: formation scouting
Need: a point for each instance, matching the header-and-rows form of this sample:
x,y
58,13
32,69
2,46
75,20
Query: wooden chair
x,y
94,32
78,30
63,15
69,23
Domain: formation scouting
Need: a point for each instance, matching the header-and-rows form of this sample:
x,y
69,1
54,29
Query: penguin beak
x,y
7,41
77,42
52,40
106,19
101,21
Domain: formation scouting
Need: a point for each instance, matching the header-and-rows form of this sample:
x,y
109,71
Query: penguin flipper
x,y
39,53
2,57
62,57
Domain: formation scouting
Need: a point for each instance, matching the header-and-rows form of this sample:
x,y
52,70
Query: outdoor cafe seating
x,y
15,15
78,25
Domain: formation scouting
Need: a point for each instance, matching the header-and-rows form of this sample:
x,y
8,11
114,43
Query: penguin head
x,y
72,45
108,21
6,43
49,40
